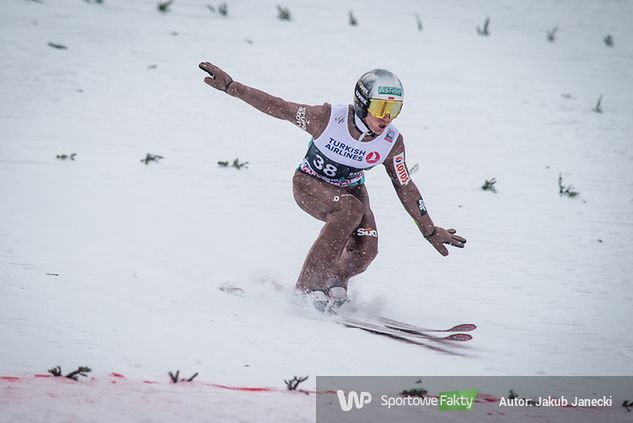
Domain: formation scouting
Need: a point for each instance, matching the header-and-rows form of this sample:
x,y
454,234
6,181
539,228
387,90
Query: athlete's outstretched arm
x,y
412,201
312,119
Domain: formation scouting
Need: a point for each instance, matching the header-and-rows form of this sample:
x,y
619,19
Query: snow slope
x,y
107,262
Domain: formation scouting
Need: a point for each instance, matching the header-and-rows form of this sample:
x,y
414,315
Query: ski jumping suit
x,y
329,185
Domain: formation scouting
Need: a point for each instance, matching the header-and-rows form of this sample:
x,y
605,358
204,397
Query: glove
x,y
219,79
441,236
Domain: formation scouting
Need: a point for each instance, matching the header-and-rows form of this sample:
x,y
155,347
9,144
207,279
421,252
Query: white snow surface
x,y
114,264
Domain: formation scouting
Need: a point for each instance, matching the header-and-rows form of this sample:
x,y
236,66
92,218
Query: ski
x,y
464,327
386,329
400,336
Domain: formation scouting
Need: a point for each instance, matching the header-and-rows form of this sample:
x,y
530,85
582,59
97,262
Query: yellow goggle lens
x,y
381,108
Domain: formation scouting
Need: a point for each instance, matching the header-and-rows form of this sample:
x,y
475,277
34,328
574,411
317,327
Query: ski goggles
x,y
381,108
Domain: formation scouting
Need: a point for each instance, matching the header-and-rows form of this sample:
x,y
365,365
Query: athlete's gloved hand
x,y
218,79
441,236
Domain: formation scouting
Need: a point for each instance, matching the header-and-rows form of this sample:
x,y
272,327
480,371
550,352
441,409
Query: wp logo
x,y
353,399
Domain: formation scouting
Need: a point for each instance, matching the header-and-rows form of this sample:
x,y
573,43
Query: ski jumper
x,y
329,185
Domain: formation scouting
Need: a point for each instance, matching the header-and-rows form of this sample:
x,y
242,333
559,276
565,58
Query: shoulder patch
x,y
390,134
401,169
300,118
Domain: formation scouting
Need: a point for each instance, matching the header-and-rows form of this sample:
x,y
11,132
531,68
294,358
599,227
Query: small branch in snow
x,y
352,19
81,371
222,10
66,156
164,6
284,13
513,395
551,34
489,185
74,375
55,371
484,32
57,46
175,378
151,158
236,164
598,107
567,190
415,392
293,383
419,21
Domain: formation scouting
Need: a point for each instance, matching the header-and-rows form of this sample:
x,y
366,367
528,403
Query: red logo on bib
x,y
372,157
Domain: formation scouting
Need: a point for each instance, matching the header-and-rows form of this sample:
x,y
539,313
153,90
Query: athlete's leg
x,y
362,246
342,213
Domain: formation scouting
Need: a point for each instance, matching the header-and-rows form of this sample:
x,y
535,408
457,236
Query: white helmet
x,y
376,84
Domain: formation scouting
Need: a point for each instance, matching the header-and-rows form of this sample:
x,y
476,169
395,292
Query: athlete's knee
x,y
372,251
369,252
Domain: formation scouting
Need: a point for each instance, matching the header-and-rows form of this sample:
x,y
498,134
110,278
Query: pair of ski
x,y
392,328
396,329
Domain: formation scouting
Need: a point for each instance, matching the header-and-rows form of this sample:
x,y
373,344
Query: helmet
x,y
376,84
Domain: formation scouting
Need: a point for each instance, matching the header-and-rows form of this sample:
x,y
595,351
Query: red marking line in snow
x,y
243,388
486,397
481,397
266,389
153,382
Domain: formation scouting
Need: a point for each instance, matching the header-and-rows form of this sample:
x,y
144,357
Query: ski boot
x,y
329,302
